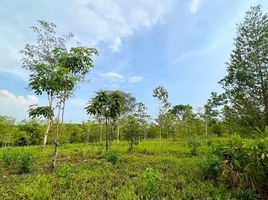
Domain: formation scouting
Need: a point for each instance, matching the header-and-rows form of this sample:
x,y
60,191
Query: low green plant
x,y
112,156
24,163
64,171
150,182
9,156
194,145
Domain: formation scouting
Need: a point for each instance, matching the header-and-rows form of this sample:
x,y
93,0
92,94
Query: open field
x,y
84,173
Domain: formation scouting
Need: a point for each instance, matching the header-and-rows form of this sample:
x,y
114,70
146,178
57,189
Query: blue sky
x,y
182,45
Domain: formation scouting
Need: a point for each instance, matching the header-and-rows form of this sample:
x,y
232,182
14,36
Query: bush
x,y
112,156
24,163
194,145
212,168
242,163
64,171
151,182
9,157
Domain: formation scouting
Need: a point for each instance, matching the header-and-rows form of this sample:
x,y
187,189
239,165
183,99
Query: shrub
x,y
151,182
212,168
64,171
9,157
24,163
112,156
194,145
243,163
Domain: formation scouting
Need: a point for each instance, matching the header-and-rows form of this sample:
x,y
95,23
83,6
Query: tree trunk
x,y
206,132
101,132
107,144
55,155
49,121
46,134
118,133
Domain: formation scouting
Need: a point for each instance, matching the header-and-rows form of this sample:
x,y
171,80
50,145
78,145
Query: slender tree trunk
x,y
118,133
46,134
206,132
106,124
58,132
49,121
101,132
55,155
56,140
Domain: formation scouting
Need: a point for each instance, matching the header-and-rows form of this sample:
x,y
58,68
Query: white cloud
x,y
111,21
105,22
194,5
135,79
116,77
15,106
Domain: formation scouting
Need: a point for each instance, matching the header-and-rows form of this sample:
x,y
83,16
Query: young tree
x,y
131,131
246,82
39,59
108,104
142,118
161,95
55,71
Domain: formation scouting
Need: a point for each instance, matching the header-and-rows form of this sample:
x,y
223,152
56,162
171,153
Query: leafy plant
x,y
151,182
9,157
194,145
112,156
24,163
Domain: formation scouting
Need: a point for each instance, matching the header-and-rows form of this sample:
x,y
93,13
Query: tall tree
x,y
57,77
39,59
161,95
246,82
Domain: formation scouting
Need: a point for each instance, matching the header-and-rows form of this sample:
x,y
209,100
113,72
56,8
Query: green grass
x,y
84,173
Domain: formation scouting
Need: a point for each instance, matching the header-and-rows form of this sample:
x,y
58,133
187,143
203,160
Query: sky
x,y
182,45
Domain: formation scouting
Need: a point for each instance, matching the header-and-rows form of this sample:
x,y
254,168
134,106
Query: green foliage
x,y
243,163
131,131
9,156
194,145
64,171
212,167
112,156
150,182
22,161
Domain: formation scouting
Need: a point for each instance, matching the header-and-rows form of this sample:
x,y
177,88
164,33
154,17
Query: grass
x,y
84,173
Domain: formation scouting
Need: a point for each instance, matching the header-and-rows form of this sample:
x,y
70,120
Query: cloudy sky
x,y
180,44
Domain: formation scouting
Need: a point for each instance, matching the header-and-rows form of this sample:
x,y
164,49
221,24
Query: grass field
x,y
155,170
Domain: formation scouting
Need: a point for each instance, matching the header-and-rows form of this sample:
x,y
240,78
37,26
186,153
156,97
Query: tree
x,y
142,118
55,71
34,130
39,59
7,130
131,131
108,104
161,95
182,112
246,82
